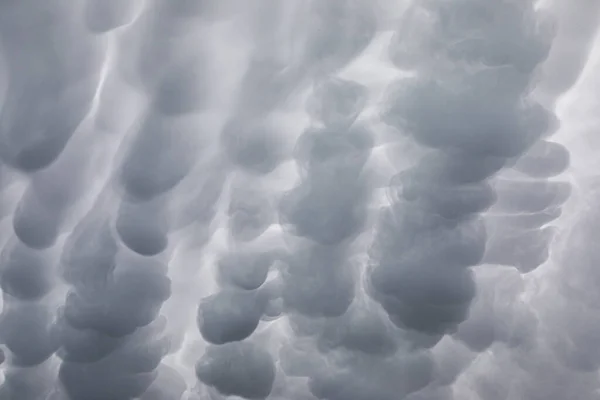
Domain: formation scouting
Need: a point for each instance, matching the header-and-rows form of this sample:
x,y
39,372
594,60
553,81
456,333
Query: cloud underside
x,y
191,202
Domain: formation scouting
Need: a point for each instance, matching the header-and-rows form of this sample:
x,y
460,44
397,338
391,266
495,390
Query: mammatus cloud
x,y
193,203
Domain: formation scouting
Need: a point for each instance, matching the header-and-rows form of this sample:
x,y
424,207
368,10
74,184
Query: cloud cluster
x,y
146,251
474,116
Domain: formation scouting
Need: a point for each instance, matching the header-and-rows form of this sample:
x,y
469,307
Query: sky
x,y
299,200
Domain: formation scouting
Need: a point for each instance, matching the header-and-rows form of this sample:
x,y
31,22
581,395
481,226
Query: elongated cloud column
x,y
50,87
112,337
255,146
53,70
473,115
468,104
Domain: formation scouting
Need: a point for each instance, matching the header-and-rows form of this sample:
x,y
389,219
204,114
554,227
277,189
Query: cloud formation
x,y
193,203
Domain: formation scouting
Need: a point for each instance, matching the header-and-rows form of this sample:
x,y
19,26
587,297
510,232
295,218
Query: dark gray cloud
x,y
57,191
431,234
328,205
25,273
229,316
44,106
252,145
245,269
143,227
318,282
160,156
27,331
123,374
89,255
239,369
182,89
53,69
130,301
111,338
29,384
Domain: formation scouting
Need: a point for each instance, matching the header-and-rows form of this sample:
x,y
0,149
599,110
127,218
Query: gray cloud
x,y
44,106
337,33
229,316
143,226
337,102
160,156
244,269
25,273
240,369
125,373
104,16
27,331
194,201
250,212
431,234
544,160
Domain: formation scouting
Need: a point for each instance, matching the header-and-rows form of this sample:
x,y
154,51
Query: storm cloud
x,y
300,200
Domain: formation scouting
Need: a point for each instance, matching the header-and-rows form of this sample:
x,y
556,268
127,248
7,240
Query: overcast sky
x,y
299,199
